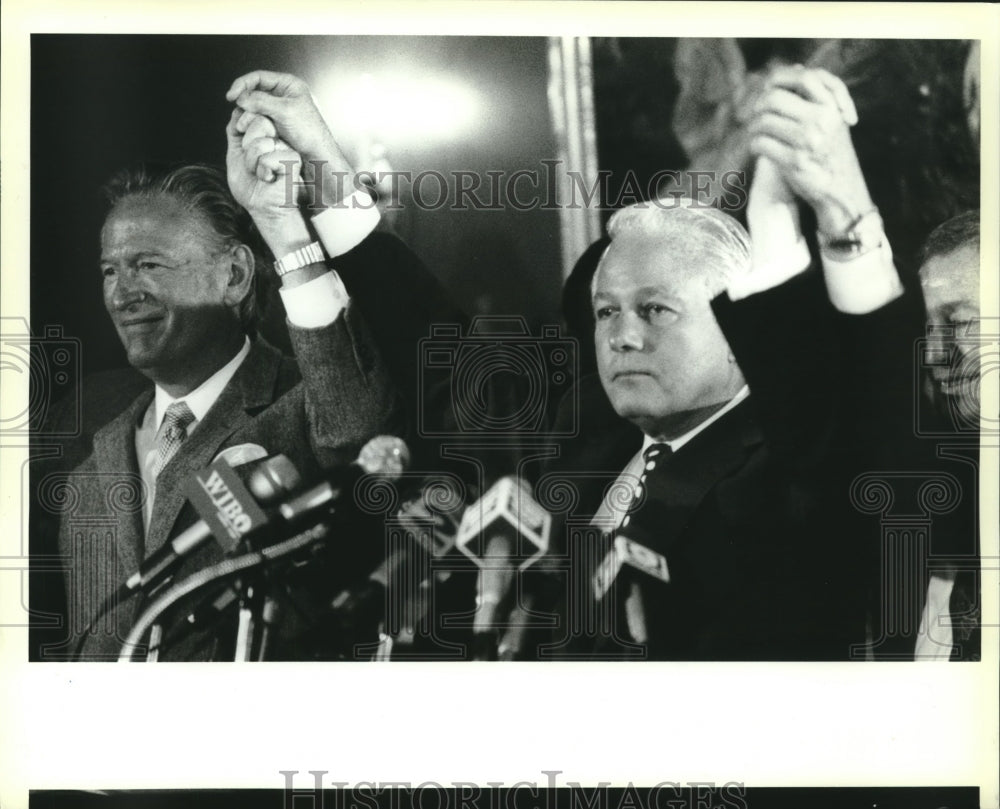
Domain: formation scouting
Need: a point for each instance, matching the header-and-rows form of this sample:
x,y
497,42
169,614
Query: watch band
x,y
297,259
863,235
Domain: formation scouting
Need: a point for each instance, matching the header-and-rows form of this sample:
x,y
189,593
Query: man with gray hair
x,y
949,277
182,261
181,268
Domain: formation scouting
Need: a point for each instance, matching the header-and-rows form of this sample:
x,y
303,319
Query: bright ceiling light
x,y
401,110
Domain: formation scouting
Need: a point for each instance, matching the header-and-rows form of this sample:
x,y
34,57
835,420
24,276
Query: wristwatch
x,y
862,236
297,259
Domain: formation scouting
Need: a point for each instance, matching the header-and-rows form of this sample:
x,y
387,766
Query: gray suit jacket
x,y
322,417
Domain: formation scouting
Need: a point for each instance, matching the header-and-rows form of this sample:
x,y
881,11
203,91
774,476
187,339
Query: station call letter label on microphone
x,y
626,552
224,503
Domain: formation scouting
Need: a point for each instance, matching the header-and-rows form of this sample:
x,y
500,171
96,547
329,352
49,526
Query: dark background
x,y
636,798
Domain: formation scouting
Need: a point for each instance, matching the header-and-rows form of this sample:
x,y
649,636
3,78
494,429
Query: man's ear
x,y
240,281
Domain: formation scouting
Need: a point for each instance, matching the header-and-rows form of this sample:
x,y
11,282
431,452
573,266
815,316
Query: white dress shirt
x,y
200,400
856,285
676,443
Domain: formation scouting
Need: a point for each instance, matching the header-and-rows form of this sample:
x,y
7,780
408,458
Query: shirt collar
x,y
201,399
676,443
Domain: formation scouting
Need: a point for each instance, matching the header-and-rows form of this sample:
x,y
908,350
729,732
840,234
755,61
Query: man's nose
x,y
127,290
627,333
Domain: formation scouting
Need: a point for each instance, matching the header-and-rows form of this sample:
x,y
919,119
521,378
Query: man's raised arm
x,y
801,136
349,396
400,298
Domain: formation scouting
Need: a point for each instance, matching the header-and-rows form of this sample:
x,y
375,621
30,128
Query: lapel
x,y
250,389
679,484
114,452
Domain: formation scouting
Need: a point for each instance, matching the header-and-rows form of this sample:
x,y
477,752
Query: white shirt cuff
x,y
778,251
863,284
315,303
344,227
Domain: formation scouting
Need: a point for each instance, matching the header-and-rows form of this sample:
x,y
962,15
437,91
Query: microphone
x,y
642,563
512,643
504,531
229,511
423,529
384,456
266,478
429,523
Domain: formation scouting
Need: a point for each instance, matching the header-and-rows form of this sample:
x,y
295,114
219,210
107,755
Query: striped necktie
x,y
633,605
620,501
651,456
625,494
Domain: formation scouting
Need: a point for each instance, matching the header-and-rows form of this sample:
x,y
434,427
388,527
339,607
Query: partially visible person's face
x,y
165,280
661,355
951,290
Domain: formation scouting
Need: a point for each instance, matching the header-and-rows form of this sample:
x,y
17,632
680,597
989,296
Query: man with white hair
x,y
735,436
662,357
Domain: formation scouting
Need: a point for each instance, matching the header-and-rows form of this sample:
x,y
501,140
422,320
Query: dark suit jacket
x,y
766,555
347,386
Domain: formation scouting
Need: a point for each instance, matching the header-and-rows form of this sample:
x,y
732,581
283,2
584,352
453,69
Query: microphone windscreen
x,y
506,507
386,456
274,477
241,454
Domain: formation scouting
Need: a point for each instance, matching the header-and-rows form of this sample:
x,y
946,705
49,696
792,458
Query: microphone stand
x,y
155,639
270,618
247,624
259,617
228,568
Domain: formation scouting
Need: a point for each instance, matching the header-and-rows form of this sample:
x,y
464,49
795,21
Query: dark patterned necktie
x,y
173,431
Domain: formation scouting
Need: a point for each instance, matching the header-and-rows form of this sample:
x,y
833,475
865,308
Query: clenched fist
x,y
287,102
